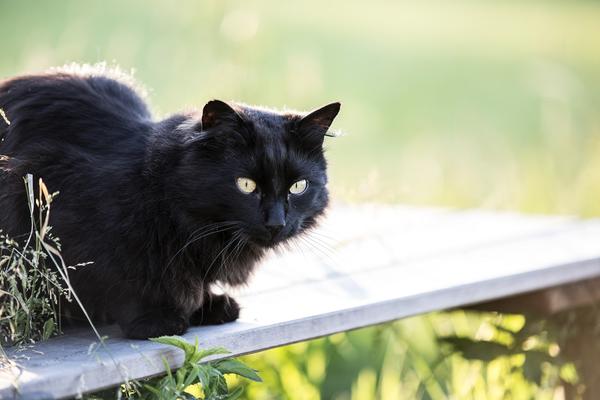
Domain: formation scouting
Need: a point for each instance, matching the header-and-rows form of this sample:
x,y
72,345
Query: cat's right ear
x,y
315,126
217,112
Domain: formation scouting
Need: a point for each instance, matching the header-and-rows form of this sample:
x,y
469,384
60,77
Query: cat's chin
x,y
266,244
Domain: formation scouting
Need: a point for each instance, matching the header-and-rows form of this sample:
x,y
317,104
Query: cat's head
x,y
262,171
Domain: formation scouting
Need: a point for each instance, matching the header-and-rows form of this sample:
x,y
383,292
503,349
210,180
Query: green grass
x,y
495,357
31,286
460,103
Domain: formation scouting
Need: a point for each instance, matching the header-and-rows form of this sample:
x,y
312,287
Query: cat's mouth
x,y
268,241
269,238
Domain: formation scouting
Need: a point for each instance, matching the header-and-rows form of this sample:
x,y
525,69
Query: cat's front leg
x,y
146,323
216,309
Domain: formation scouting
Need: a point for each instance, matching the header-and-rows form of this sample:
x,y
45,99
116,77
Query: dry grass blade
x,y
4,117
45,199
31,287
35,280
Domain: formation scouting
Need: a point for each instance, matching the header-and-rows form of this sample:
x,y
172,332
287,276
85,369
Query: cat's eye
x,y
246,185
299,187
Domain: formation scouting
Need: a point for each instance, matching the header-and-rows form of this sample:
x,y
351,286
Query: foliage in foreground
x,y
31,284
195,379
495,356
533,348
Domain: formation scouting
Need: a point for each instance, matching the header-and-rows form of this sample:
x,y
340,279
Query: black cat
x,y
162,209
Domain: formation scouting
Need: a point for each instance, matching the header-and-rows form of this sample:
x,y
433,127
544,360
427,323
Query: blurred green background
x,y
461,103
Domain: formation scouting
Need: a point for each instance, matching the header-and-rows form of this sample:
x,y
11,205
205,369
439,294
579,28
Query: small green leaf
x,y
204,374
192,375
221,384
177,341
167,368
235,394
152,389
180,375
233,366
201,354
217,383
48,330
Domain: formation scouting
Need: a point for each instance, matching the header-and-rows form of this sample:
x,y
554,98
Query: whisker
x,y
321,253
233,254
322,245
325,238
218,255
319,240
227,255
204,232
298,247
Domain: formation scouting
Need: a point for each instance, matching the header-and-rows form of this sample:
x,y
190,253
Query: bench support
x,y
574,312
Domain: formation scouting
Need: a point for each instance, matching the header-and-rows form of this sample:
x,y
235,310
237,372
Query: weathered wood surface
x,y
367,265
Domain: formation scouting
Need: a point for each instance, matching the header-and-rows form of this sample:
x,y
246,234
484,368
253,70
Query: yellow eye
x,y
299,187
246,185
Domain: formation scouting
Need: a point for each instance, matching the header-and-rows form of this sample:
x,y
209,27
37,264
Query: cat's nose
x,y
275,220
274,230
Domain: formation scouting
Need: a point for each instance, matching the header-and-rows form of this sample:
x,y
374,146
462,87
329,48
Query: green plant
x,y
30,286
194,375
195,379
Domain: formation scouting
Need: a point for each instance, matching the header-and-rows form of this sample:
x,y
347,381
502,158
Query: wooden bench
x,y
367,265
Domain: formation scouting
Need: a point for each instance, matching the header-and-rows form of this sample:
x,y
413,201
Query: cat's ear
x,y
314,126
217,112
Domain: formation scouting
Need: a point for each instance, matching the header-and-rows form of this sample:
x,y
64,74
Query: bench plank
x,y
366,265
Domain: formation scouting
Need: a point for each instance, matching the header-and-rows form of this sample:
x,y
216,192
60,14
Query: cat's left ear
x,y
314,126
217,112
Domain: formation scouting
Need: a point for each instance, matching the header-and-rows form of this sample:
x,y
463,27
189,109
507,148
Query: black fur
x,y
155,205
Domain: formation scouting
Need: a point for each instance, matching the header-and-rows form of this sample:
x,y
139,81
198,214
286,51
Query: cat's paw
x,y
155,325
216,310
